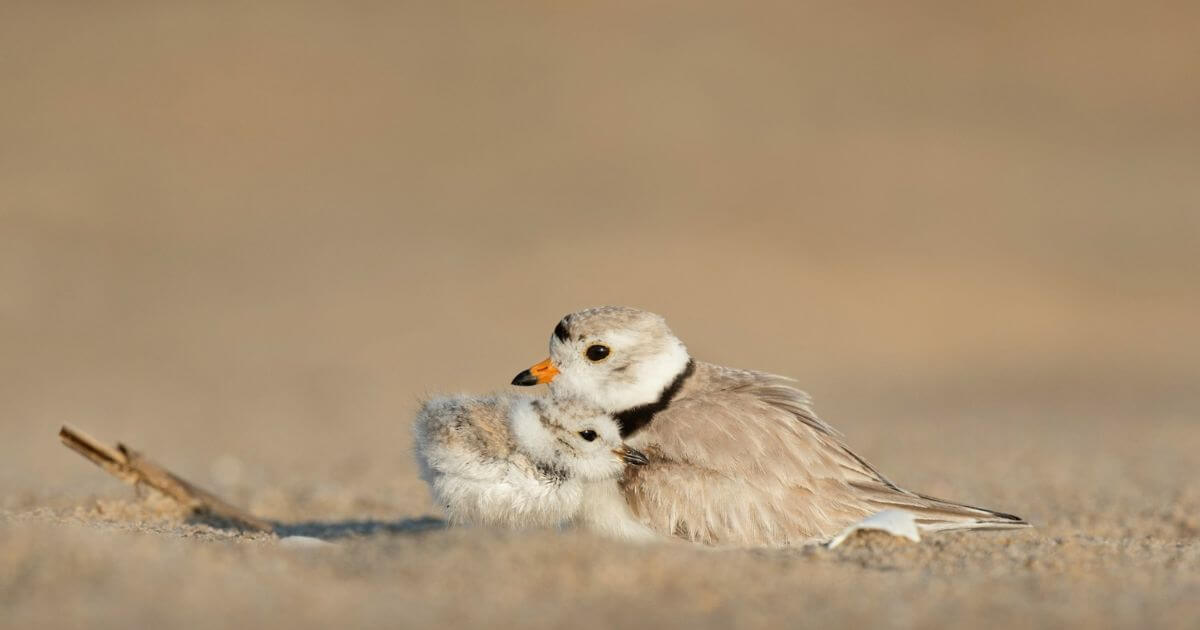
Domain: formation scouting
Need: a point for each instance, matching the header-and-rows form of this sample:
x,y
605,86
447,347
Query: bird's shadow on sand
x,y
337,530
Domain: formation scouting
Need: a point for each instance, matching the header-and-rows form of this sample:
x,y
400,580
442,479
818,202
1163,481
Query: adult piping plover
x,y
736,456
517,461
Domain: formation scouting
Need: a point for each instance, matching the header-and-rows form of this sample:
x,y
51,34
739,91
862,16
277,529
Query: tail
x,y
938,515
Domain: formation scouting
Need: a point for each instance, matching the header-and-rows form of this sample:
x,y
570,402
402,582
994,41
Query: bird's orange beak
x,y
543,372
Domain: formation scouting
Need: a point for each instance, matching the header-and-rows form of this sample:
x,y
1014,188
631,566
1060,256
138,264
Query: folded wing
x,y
741,459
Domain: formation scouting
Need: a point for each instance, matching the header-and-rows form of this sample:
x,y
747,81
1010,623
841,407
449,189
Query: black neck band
x,y
635,418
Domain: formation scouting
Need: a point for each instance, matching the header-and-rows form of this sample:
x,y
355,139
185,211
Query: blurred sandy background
x,y
247,238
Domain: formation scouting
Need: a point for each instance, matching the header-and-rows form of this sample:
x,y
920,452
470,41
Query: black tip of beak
x,y
635,457
525,379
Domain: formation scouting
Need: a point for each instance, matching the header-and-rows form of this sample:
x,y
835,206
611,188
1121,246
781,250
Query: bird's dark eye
x,y
588,435
597,352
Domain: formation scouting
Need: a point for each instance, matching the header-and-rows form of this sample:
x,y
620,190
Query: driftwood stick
x,y
132,467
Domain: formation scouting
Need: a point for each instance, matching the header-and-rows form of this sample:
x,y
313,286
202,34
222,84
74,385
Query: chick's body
x,y
479,474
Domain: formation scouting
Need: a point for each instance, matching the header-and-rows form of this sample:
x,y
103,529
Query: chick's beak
x,y
631,456
543,372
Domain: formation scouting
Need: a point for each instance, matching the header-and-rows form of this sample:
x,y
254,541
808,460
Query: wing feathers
x,y
741,458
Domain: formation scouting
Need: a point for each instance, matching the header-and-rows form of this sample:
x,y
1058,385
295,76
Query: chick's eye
x,y
597,352
588,435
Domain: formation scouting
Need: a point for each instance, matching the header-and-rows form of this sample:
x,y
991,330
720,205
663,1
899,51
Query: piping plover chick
x,y
736,456
517,461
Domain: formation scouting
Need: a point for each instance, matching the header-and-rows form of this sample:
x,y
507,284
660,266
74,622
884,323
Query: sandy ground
x,y
247,239
1116,546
